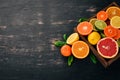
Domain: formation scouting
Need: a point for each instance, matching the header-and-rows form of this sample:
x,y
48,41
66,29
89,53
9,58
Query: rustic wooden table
x,y
29,27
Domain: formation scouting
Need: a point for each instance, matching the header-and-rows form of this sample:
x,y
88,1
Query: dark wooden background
x,y
28,29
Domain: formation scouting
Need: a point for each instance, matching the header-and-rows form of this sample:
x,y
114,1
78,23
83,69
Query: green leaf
x,y
70,60
93,58
59,43
118,41
102,35
82,19
65,37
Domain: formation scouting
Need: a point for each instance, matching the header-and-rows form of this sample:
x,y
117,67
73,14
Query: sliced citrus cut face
x,y
72,38
93,38
99,24
84,28
80,49
110,31
102,15
107,47
92,21
113,11
115,21
118,35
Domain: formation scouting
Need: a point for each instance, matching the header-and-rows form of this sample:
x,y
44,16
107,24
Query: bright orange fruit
x,y
113,11
66,50
84,28
80,49
102,15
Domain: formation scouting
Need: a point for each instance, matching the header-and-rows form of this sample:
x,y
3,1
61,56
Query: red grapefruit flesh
x,y
107,47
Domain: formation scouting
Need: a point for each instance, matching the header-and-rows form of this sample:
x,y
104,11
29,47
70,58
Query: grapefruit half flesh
x,y
107,47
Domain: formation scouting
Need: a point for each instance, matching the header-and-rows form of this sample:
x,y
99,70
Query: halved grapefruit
x,y
107,47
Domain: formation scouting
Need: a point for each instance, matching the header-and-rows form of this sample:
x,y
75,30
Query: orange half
x,y
113,11
80,49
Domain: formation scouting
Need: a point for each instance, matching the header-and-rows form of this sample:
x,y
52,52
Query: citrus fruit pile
x,y
73,46
103,31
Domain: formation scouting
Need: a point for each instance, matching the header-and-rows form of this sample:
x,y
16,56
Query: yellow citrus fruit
x,y
92,21
72,38
115,22
80,49
113,11
93,38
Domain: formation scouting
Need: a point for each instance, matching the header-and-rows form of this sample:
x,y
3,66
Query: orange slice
x,y
84,28
118,35
110,31
102,15
80,49
113,11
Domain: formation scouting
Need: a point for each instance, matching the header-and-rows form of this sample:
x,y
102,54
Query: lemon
x,y
72,38
115,22
93,38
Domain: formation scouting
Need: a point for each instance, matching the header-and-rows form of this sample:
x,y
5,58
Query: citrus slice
x,y
102,15
93,38
66,50
107,47
113,11
92,21
72,38
115,21
84,28
110,31
80,49
118,35
99,24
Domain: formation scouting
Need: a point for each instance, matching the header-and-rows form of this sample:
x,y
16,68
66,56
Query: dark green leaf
x,y
118,41
82,19
102,35
59,43
93,58
70,60
65,37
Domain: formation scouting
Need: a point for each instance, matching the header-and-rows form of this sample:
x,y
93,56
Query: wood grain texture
x,y
28,29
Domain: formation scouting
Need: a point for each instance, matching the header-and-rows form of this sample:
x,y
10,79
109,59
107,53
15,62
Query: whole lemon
x,y
93,38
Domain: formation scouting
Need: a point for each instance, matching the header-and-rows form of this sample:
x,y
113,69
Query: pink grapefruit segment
x,y
107,47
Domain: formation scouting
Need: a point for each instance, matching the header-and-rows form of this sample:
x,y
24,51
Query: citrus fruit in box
x,y
80,49
115,21
113,11
100,24
93,38
118,35
107,47
66,50
102,15
92,21
110,31
84,28
72,38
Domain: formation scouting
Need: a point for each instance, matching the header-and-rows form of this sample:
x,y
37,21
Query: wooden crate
x,y
104,62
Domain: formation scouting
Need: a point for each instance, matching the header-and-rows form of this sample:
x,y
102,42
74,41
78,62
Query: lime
x,y
93,38
115,22
100,25
72,38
